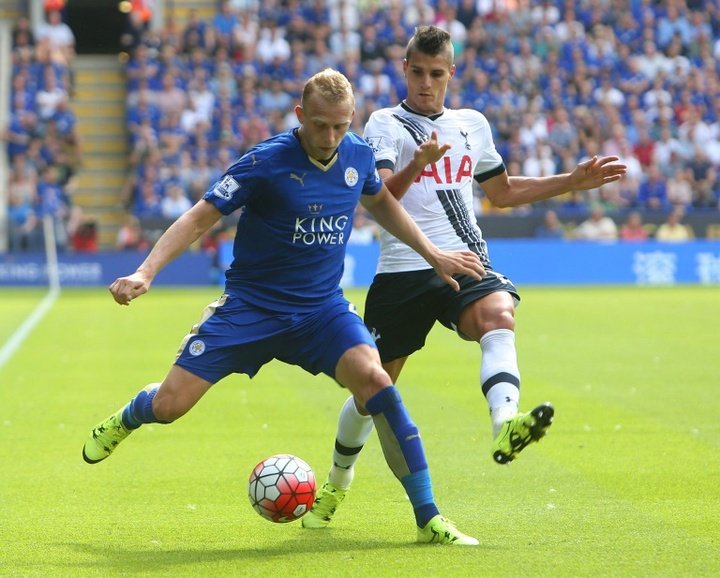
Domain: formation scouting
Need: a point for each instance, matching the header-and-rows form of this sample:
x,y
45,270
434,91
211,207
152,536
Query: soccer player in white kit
x,y
434,183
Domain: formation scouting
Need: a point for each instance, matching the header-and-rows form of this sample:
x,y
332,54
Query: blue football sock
x,y
139,410
403,450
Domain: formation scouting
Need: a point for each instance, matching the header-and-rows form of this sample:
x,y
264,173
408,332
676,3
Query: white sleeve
x,y
381,134
489,160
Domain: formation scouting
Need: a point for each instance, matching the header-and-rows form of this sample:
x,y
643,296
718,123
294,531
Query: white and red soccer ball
x,y
282,488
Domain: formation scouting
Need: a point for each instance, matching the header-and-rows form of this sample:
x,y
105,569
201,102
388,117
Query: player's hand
x,y
125,289
430,151
596,172
449,263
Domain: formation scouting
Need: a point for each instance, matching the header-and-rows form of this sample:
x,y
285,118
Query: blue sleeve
x,y
234,188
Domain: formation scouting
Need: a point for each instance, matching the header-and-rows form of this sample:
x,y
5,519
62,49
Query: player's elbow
x,y
500,201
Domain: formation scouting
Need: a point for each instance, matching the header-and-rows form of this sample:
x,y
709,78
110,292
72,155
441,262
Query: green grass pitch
x,y
627,483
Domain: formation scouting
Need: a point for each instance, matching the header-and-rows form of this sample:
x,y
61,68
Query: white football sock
x,y
500,375
352,433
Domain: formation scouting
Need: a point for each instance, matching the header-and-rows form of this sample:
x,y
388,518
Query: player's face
x,y
323,125
427,80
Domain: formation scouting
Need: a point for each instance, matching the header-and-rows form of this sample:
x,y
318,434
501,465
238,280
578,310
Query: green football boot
x,y
440,530
521,430
104,438
326,502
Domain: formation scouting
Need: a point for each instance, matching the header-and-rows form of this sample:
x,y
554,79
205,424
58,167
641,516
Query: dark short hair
x,y
429,40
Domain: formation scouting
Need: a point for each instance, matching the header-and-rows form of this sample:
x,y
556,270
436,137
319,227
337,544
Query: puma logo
x,y
298,178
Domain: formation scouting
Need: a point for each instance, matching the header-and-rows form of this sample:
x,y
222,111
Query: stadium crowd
x,y
558,81
41,138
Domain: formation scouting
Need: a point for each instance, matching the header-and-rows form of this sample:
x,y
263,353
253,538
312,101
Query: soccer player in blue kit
x,y
298,191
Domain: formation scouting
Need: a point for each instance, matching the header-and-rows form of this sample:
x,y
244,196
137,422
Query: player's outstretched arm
x,y
390,215
504,191
173,242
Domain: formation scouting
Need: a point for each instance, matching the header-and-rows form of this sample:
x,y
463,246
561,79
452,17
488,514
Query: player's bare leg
x,y
155,403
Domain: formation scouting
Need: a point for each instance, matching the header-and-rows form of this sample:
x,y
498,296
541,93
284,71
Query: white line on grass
x,y
21,333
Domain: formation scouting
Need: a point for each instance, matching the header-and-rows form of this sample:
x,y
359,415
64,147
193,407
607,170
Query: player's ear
x,y
299,113
453,68
405,66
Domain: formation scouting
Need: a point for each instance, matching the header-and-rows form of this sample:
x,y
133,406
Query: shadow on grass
x,y
116,559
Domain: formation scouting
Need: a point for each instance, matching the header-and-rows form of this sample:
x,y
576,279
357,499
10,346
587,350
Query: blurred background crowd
x,y
558,81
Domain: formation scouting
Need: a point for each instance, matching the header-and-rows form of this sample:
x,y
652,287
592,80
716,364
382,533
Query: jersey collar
x,y
325,165
430,116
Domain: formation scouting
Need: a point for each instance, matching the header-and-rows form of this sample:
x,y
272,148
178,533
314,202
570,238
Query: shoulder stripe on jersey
x,y
482,177
414,128
459,218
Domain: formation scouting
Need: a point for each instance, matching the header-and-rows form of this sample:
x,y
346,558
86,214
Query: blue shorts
x,y
234,336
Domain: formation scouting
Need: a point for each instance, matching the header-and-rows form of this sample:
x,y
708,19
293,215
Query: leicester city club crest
x,y
351,176
197,347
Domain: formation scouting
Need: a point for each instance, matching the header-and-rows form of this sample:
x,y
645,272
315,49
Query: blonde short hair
x,y
332,86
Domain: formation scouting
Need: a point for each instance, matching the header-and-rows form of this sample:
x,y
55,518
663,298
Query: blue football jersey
x,y
296,217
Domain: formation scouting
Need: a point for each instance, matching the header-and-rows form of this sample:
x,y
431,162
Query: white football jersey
x,y
440,201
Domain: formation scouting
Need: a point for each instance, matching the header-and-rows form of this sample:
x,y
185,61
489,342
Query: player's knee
x,y
372,382
502,319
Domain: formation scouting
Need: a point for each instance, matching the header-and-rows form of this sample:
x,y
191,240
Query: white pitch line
x,y
21,333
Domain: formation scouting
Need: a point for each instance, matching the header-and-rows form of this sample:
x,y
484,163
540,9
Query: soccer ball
x,y
282,488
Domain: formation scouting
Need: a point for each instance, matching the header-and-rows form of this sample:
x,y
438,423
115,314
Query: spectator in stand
x,y
135,29
85,237
147,204
563,136
22,34
539,162
608,93
679,189
644,148
23,93
174,203
364,231
665,149
597,227
633,228
170,98
345,40
223,25
58,37
651,62
673,230
652,193
274,98
194,34
673,24
551,227
142,70
20,132
707,191
130,235
49,96
24,226
272,46
52,200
